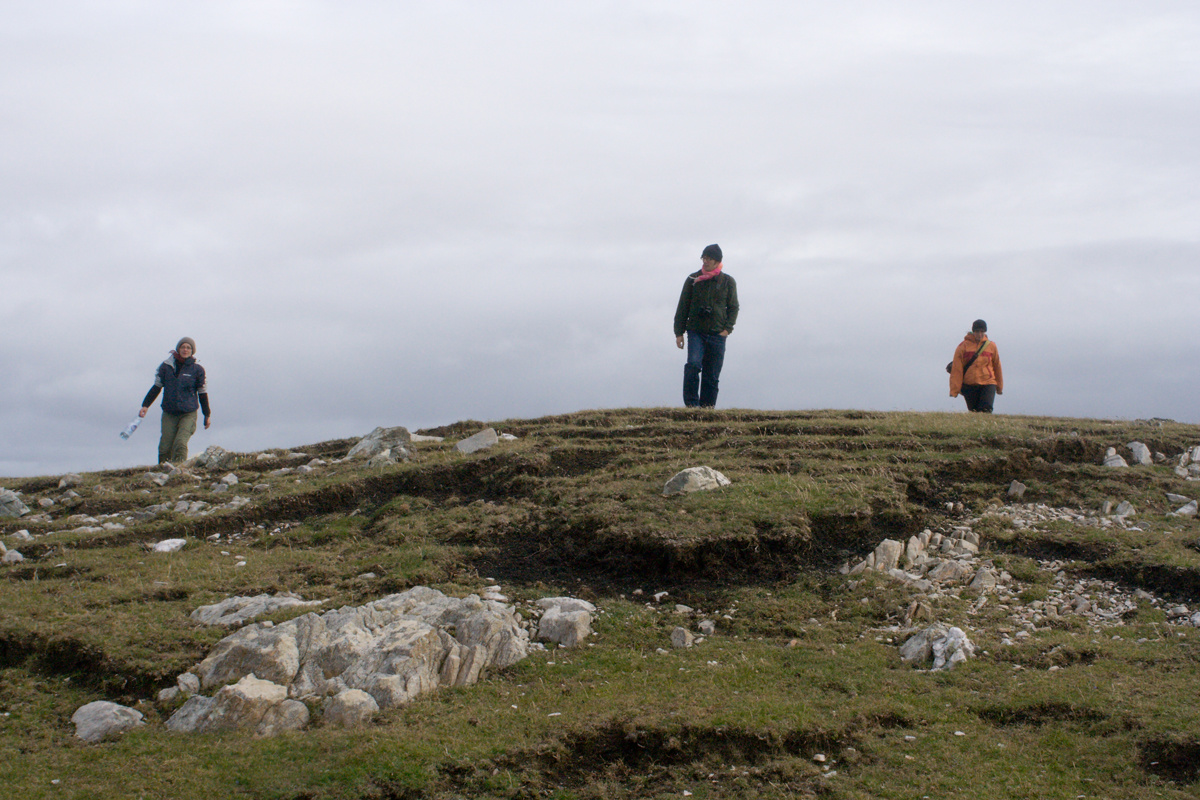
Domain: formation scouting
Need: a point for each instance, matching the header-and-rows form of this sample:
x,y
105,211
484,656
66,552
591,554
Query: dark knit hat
x,y
186,340
978,326
713,251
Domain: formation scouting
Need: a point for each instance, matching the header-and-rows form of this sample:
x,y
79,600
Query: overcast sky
x,y
380,213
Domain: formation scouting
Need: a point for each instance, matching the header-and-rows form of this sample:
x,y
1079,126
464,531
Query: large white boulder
x,y
694,479
480,441
97,720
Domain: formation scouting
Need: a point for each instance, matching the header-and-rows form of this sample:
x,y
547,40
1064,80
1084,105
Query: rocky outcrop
x,y
386,444
393,649
694,479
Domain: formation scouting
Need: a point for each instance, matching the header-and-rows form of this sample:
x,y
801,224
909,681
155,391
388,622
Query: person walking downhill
x,y
707,311
975,370
184,388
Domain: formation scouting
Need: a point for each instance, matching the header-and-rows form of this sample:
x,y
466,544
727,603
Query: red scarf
x,y
703,276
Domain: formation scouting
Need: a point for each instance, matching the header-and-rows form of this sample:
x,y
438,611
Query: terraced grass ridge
x,y
801,690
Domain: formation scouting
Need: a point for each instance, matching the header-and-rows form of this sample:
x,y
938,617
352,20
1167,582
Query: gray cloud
x,y
410,215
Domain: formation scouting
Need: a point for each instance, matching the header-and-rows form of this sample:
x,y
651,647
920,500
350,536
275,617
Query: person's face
x,y
707,264
185,350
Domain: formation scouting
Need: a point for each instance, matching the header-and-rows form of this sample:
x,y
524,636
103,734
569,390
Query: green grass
x,y
804,661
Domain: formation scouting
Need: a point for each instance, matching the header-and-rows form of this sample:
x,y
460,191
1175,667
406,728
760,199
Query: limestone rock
x,y
950,572
11,505
694,479
239,610
396,440
1188,510
1141,453
566,621
157,478
169,545
1124,509
251,704
22,536
1111,459
943,645
101,718
480,441
214,459
682,638
394,648
1016,490
69,480
12,557
887,555
352,708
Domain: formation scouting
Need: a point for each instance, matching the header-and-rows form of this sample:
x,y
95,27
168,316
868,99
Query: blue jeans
x,y
702,372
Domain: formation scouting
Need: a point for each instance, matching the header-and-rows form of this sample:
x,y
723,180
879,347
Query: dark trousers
x,y
702,372
979,398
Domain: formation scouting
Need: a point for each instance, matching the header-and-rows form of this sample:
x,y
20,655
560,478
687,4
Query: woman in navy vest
x,y
184,389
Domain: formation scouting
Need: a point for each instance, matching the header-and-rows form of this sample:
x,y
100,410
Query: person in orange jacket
x,y
975,370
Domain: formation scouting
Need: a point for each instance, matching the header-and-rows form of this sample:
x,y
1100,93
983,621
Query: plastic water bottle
x,y
131,427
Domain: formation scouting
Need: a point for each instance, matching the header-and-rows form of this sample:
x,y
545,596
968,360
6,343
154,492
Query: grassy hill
x,y
801,691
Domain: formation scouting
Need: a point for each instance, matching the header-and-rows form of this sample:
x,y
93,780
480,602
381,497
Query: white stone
x,y
170,545
945,646
12,557
694,479
570,604
240,610
101,718
22,536
1188,510
567,628
887,555
480,441
11,505
1111,459
1016,490
1141,453
351,708
682,638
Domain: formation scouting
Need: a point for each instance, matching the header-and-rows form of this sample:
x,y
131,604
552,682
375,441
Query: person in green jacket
x,y
707,311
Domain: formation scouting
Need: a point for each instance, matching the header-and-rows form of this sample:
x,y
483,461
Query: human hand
x,y
142,413
724,333
207,422
679,342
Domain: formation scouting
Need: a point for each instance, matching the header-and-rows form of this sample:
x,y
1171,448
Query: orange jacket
x,y
984,371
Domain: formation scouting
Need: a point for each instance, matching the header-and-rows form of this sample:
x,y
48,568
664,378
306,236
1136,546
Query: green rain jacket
x,y
709,306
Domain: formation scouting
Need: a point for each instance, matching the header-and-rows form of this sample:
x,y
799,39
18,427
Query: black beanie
x,y
978,326
713,251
